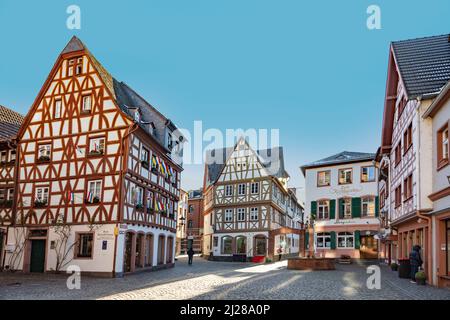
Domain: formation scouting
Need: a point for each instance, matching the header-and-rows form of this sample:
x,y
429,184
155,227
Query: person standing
x,y
415,260
190,255
280,252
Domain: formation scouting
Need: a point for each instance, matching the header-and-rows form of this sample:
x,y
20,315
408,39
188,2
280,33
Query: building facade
x,y
10,122
249,211
342,203
181,221
416,74
97,180
194,222
439,114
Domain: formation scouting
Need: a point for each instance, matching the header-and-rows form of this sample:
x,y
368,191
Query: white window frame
x,y
368,168
229,190
228,215
42,194
323,204
3,156
241,189
85,105
92,143
241,213
144,150
254,214
58,108
367,203
95,186
12,155
44,150
346,237
325,180
255,187
348,173
445,143
326,239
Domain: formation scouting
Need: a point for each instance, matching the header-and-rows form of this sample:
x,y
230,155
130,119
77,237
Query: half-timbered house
x,y
10,122
249,211
98,183
417,70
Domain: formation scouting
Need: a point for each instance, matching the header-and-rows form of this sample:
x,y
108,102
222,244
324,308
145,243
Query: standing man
x,y
415,261
190,255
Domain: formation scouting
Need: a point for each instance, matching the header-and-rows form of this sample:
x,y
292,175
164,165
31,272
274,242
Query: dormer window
x,y
79,66
169,141
75,65
137,117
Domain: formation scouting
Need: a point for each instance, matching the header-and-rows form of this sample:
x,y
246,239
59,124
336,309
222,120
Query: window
x,y
137,117
228,215
215,241
345,240
323,209
407,187
241,214
254,214
255,187
401,107
79,67
57,109
2,195
407,138
145,154
139,200
368,174
346,208
44,152
190,224
368,206
70,67
191,208
11,194
398,153
97,146
398,196
442,147
149,200
323,178
12,156
261,244
323,240
41,197
87,103
84,245
345,176
228,190
94,191
227,245
3,156
169,141
241,245
241,189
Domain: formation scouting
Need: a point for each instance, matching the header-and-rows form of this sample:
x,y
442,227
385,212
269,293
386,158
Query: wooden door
x,y
368,248
37,257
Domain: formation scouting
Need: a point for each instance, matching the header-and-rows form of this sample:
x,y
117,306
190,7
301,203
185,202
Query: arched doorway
x,y
139,252
149,250
260,246
161,249
128,254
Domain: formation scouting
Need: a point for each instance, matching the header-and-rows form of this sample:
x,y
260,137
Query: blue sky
x,y
309,68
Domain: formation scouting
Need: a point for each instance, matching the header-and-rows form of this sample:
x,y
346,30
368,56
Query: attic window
x,y
137,116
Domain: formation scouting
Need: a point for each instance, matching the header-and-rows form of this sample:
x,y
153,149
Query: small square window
x,y
87,103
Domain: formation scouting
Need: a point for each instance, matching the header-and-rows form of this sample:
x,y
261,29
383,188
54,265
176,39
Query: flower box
x,y
144,164
42,159
40,204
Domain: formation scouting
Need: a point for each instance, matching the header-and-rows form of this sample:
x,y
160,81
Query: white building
x,y
341,200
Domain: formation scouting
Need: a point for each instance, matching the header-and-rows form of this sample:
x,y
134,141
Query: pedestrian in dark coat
x,y
190,255
415,260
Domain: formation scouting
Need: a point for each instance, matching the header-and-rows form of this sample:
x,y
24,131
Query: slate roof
x,y
340,158
10,122
424,64
127,99
270,158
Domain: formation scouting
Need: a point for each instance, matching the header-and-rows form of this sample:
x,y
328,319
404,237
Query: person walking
x,y
190,255
415,260
280,252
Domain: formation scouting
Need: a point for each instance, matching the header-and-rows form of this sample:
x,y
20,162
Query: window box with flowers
x,y
145,164
95,199
43,159
96,153
139,207
40,203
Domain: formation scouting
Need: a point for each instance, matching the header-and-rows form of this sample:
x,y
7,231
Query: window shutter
x,y
341,208
357,239
332,208
313,208
356,207
377,206
332,240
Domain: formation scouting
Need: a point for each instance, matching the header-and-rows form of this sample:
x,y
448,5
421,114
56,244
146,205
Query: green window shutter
x,y
332,209
357,239
313,209
332,240
377,206
341,208
356,207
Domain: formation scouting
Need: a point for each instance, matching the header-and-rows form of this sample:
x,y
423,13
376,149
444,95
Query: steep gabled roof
x,y
424,64
340,158
215,168
10,122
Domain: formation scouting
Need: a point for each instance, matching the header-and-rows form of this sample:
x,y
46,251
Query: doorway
x,y
37,257
128,249
368,248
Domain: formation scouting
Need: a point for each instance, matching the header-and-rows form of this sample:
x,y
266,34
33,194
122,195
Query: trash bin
x,y
404,268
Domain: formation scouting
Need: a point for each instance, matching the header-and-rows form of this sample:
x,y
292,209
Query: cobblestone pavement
x,y
222,280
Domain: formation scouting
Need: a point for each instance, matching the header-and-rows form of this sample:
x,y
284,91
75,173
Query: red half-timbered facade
x,y
94,160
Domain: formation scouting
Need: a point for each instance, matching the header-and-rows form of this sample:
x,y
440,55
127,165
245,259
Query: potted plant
x,y
420,278
394,266
40,203
44,159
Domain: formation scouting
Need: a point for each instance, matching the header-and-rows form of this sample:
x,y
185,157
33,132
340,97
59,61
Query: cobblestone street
x,y
220,280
